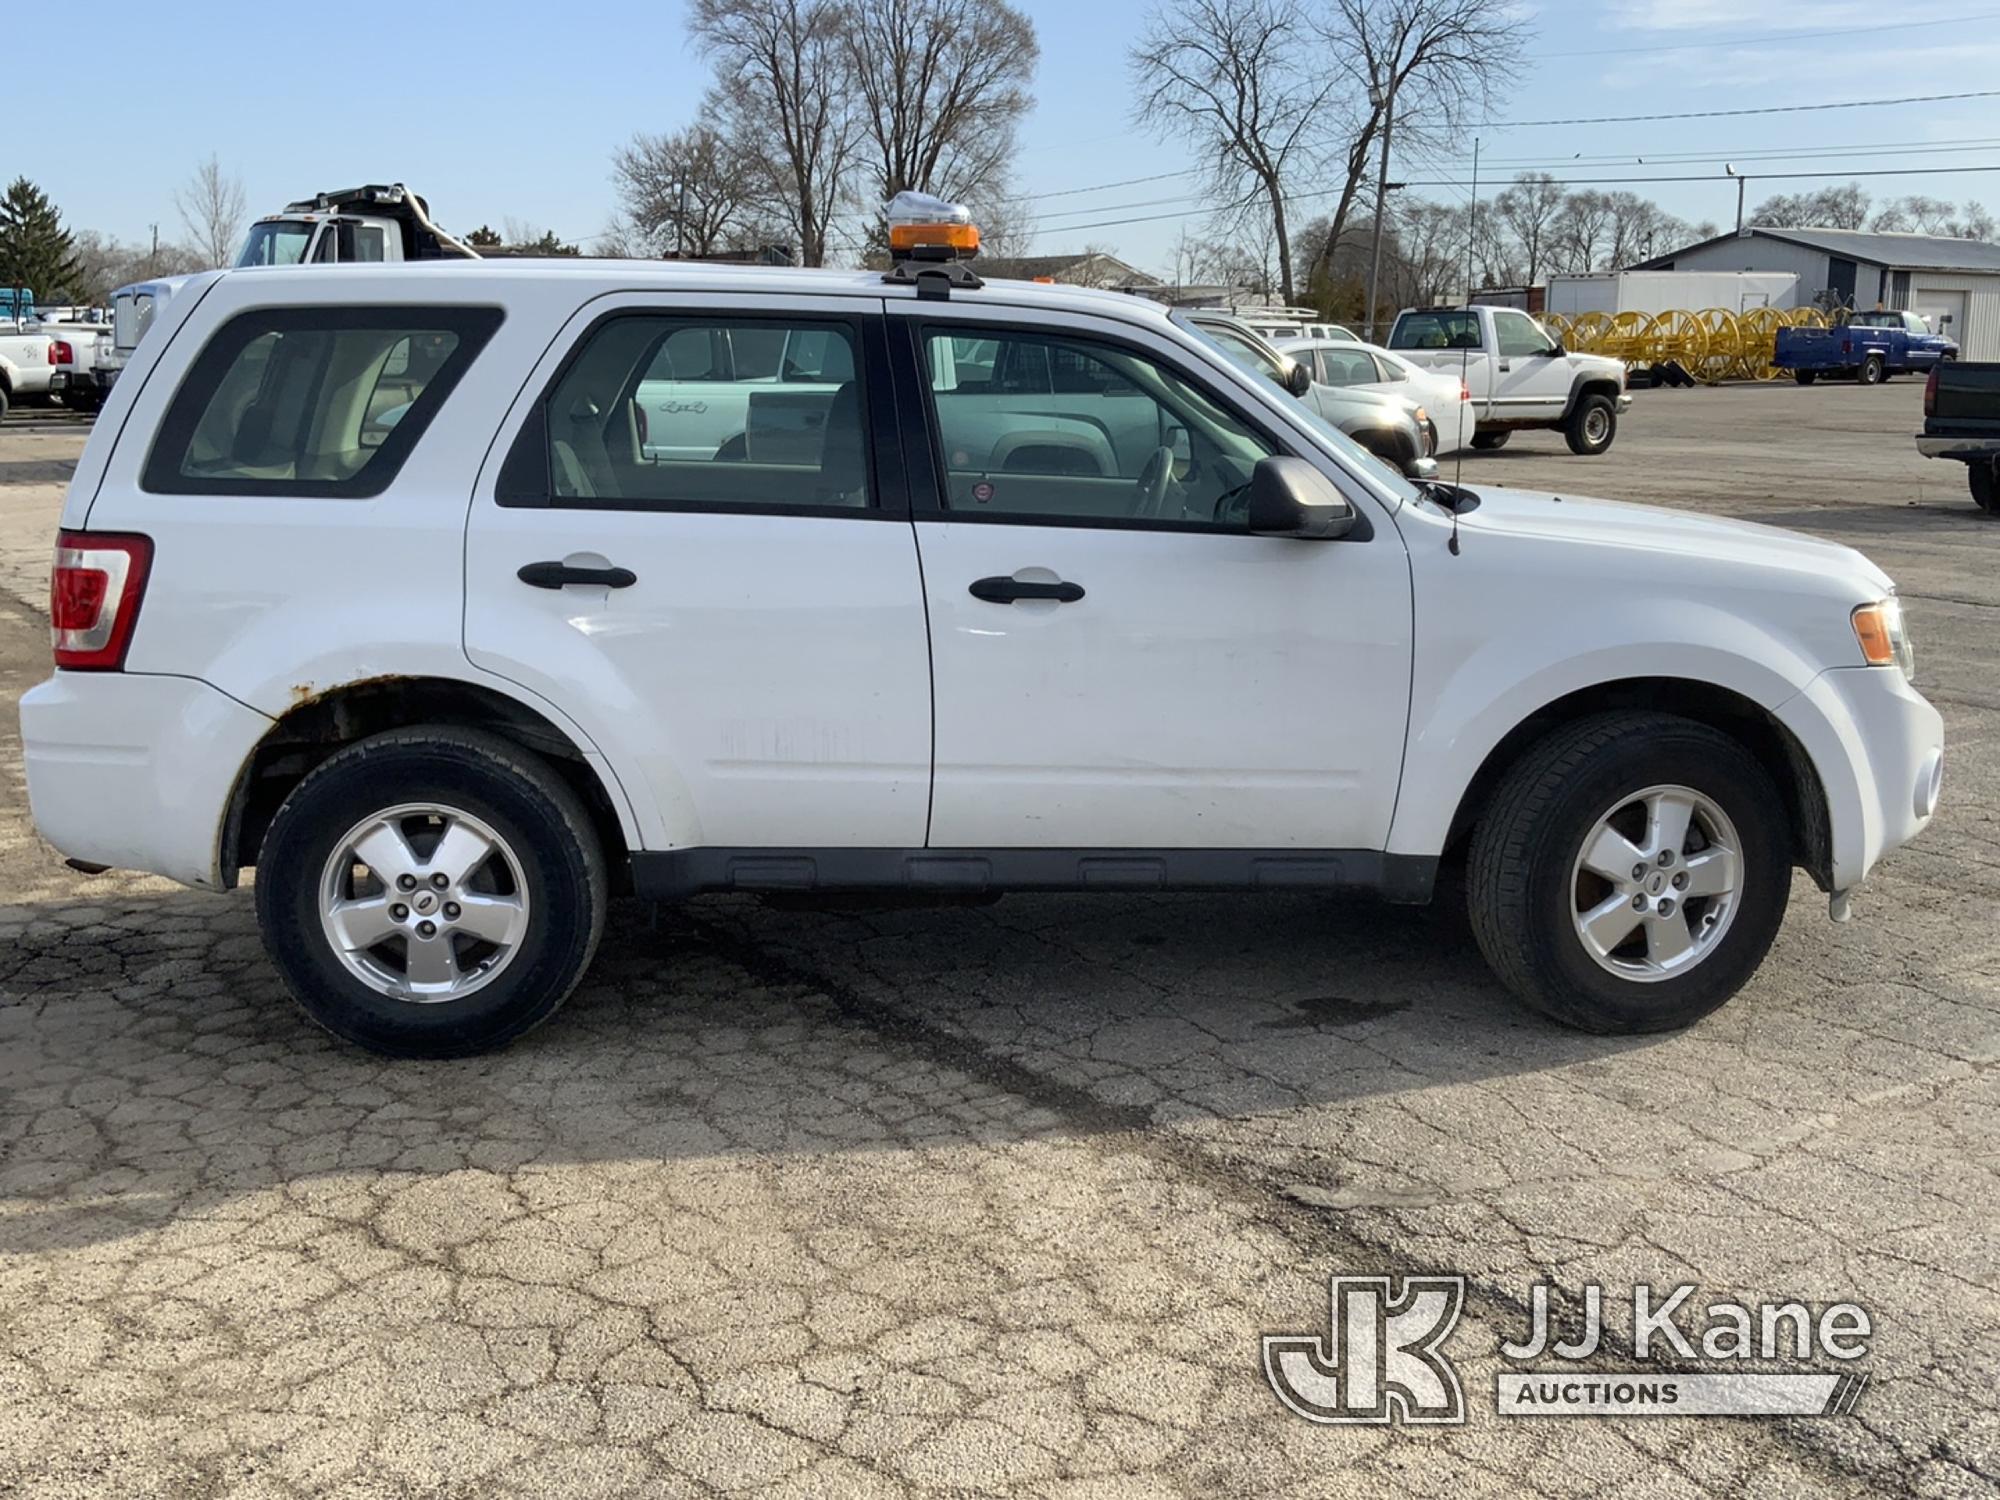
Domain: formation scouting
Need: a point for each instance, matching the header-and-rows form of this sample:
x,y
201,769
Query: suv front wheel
x,y
1630,873
431,892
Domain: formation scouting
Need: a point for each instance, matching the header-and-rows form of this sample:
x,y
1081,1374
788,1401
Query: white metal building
x,y
1941,278
1663,291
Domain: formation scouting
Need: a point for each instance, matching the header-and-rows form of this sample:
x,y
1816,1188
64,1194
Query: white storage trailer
x,y
1664,291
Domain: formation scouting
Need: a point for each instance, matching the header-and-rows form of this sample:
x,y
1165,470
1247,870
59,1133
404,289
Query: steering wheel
x,y
1155,480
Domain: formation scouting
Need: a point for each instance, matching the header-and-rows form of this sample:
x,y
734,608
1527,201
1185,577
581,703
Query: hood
x,y
1653,528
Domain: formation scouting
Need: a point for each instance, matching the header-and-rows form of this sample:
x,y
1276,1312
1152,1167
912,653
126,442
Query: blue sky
x,y
503,109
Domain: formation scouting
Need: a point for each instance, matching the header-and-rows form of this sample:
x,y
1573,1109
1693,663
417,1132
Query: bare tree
x,y
942,85
212,209
783,92
1975,223
1236,79
687,193
1006,224
1582,236
1827,208
1419,65
1528,212
105,264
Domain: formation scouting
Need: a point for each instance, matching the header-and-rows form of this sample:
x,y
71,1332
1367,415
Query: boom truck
x,y
380,222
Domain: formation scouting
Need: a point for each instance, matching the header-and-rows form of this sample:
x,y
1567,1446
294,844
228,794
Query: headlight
x,y
1884,641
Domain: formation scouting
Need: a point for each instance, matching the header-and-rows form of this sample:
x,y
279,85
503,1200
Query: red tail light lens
x,y
645,427
1930,393
60,352
94,596
1464,391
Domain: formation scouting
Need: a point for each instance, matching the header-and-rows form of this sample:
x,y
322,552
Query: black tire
x,y
1521,890
1870,372
1981,479
1805,377
520,799
3,403
1592,424
1486,442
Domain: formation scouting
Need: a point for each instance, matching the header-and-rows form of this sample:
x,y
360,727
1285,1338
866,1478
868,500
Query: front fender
x,y
1460,718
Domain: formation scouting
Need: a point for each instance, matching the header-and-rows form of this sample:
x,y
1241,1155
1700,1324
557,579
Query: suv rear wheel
x,y
431,892
1630,872
1593,423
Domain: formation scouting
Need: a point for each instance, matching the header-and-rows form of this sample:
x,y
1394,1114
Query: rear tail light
x,y
1930,393
1464,391
60,352
645,427
94,597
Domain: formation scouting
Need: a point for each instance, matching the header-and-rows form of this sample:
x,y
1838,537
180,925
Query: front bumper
x,y
1623,403
136,771
1878,747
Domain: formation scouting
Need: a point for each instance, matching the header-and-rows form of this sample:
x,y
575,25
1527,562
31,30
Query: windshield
x,y
1260,359
276,242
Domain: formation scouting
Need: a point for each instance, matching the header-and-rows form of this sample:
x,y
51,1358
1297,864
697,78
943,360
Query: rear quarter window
x,y
312,401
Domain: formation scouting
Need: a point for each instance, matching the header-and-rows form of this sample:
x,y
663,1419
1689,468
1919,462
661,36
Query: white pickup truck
x,y
24,364
1517,373
77,350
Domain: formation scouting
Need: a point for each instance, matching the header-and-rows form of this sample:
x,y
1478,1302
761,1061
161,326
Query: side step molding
x,y
675,874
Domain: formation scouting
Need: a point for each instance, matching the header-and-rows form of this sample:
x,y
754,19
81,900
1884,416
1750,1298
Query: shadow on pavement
x,y
152,1062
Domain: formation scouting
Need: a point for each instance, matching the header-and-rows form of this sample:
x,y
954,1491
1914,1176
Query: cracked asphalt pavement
x,y
998,1200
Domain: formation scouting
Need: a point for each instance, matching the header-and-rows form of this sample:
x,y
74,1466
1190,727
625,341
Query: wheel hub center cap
x,y
1656,884
427,902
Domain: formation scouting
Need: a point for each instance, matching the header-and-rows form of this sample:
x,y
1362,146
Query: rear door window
x,y
683,411
312,401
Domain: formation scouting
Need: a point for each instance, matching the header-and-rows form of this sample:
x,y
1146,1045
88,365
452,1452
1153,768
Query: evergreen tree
x,y
35,250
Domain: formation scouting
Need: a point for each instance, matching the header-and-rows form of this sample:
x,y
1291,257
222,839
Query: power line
x,y
1768,38
1440,164
1718,114
1942,146
1292,198
1735,151
1102,186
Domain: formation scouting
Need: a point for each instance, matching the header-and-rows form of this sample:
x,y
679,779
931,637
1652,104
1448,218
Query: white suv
x,y
387,582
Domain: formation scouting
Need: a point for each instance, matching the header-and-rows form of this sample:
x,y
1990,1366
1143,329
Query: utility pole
x,y
1741,183
153,260
1384,100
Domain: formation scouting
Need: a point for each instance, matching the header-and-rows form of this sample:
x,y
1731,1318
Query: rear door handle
x,y
1007,590
554,575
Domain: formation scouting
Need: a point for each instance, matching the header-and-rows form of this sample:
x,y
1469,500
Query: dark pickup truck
x,y
1962,422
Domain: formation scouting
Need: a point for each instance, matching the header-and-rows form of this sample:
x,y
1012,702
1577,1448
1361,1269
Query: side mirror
x,y
1298,379
1289,497
1555,350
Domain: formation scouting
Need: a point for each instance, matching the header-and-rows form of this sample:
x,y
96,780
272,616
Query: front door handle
x,y
1007,590
553,575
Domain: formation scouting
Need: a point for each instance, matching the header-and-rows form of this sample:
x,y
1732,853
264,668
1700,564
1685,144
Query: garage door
x,y
1937,306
